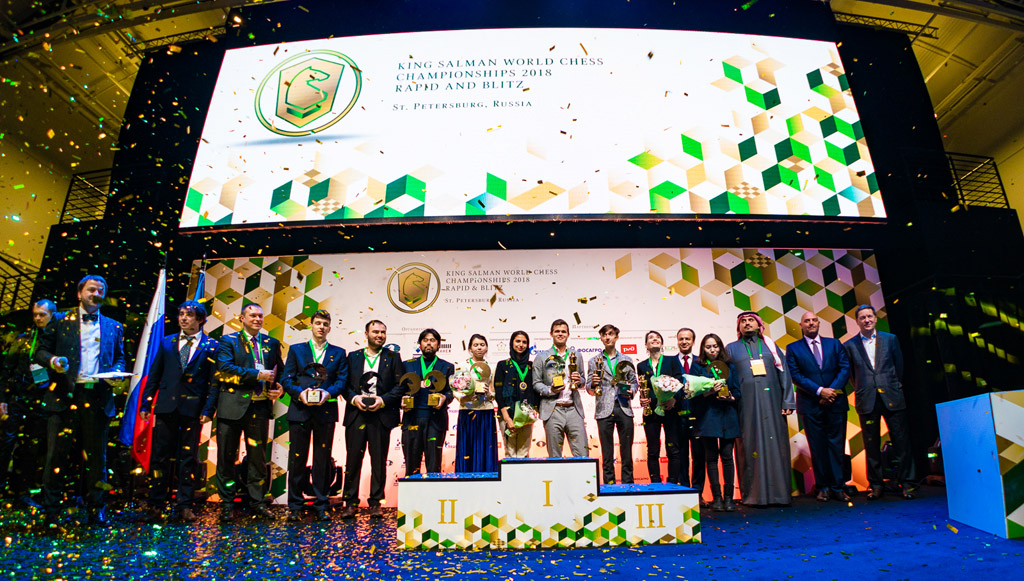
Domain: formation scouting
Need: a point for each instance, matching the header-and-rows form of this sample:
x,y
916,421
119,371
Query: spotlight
x,y
234,19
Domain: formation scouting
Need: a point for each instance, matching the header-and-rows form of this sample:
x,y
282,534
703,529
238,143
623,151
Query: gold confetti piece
x,y
584,49
952,528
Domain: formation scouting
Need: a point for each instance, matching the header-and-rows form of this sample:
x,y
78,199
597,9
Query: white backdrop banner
x,y
497,292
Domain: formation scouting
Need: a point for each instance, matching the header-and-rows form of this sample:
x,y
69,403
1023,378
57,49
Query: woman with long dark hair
x,y
476,442
718,419
513,384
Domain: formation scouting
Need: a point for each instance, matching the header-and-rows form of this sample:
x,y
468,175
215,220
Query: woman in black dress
x,y
718,420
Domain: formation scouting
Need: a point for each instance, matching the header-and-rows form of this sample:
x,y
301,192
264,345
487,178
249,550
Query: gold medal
x,y
522,386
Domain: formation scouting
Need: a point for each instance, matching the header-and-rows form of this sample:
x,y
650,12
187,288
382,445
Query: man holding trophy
x,y
372,398
613,382
425,421
557,379
314,375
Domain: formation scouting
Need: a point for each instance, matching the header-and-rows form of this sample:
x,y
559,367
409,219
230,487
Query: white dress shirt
x,y
89,348
870,343
183,339
810,345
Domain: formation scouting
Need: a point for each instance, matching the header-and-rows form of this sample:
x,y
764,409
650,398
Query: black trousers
x,y
366,432
653,426
254,426
899,435
691,448
81,430
321,474
23,439
826,438
423,434
714,449
175,451
617,421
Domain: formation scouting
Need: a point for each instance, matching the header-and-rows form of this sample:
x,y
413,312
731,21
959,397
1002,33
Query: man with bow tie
x,y
78,346
182,395
247,366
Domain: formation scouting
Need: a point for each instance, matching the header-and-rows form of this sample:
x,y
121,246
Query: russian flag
x,y
136,433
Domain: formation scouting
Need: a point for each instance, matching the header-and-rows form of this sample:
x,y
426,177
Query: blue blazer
x,y
190,391
62,338
808,377
237,375
336,361
884,379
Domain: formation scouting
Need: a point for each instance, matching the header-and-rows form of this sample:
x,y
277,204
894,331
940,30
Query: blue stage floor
x,y
889,539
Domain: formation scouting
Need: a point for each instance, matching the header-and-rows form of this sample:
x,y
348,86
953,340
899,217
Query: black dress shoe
x,y
822,495
98,517
294,515
876,493
730,505
261,511
227,513
348,512
909,493
841,495
718,505
322,516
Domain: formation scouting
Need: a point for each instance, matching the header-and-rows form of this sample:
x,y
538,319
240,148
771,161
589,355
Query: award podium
x,y
541,503
983,456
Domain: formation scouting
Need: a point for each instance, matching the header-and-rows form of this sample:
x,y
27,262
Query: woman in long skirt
x,y
476,440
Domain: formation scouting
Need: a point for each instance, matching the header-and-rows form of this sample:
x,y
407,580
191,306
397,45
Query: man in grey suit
x,y
613,410
561,408
247,367
876,363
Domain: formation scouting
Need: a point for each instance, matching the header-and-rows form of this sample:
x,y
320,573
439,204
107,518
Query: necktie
x,y
686,363
90,317
817,352
184,351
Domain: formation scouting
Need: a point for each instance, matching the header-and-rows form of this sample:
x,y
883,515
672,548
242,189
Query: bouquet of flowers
x,y
462,384
525,415
665,387
697,385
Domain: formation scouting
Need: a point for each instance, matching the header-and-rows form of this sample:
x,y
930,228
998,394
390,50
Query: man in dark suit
x,y
819,368
313,411
877,377
78,346
181,392
23,382
372,398
424,426
247,367
690,447
658,364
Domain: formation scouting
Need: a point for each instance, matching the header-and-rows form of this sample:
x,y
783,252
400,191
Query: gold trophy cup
x,y
573,368
645,392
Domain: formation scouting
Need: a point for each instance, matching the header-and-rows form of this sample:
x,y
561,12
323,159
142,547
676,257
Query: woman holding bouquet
x,y
476,442
513,381
718,419
656,365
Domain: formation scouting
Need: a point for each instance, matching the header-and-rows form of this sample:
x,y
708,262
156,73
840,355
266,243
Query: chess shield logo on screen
x,y
308,93
413,287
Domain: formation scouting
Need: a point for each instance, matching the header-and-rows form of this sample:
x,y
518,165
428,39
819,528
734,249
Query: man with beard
x,y
80,345
372,398
424,426
767,399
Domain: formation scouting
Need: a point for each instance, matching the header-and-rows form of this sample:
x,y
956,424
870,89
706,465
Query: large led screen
x,y
527,123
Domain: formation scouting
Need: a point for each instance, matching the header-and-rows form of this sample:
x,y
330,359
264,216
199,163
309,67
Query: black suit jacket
x,y
62,338
190,391
808,377
390,370
336,361
447,369
237,374
672,367
884,379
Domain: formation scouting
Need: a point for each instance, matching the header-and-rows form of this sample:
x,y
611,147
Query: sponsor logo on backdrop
x,y
629,349
413,287
308,93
